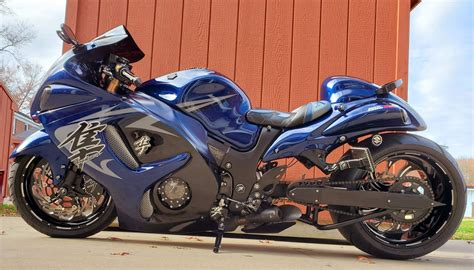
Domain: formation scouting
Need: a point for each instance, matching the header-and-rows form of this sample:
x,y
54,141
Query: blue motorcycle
x,y
186,152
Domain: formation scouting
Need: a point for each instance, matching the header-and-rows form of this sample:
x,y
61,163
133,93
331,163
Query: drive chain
x,y
318,182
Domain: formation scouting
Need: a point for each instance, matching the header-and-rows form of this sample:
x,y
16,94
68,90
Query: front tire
x,y
447,183
21,173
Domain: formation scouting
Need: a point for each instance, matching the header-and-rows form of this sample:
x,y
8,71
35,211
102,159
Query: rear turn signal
x,y
35,118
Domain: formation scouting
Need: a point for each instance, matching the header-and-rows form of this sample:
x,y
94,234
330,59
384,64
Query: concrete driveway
x,y
21,247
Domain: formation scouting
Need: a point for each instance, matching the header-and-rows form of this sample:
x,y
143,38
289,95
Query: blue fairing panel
x,y
369,116
171,88
72,105
342,89
211,98
361,117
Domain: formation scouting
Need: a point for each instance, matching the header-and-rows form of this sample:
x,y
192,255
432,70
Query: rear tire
x,y
368,241
38,220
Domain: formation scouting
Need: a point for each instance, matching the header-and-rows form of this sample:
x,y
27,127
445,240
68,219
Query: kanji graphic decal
x,y
142,145
83,143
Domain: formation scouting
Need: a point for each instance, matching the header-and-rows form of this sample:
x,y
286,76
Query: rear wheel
x,y
41,204
407,234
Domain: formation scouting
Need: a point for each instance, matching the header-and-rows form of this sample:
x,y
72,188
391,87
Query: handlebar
x,y
125,72
118,74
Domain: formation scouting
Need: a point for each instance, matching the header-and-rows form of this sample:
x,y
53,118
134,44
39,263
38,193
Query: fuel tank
x,y
214,100
343,89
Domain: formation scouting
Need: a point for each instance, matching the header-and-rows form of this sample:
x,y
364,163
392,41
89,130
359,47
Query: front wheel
x,y
407,233
40,203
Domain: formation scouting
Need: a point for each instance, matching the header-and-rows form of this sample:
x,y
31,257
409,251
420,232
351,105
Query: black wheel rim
x,y
431,171
30,193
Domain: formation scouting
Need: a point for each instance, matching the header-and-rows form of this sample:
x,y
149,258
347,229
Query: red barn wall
x,y
278,51
7,107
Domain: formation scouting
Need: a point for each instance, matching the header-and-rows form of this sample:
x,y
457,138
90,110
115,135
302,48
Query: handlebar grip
x,y
137,82
131,77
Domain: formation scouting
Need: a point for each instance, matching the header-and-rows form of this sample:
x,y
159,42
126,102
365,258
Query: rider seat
x,y
297,117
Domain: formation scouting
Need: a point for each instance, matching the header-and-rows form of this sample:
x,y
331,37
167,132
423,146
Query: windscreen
x,y
117,41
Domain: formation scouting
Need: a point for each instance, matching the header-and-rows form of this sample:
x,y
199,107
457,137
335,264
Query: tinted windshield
x,y
84,61
117,41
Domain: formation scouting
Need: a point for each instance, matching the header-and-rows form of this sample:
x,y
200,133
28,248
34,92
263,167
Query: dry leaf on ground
x,y
114,239
364,259
120,253
194,238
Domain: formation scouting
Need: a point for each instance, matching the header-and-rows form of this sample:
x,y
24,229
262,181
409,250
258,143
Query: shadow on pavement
x,y
229,248
273,248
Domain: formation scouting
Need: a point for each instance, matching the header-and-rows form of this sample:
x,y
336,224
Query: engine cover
x,y
173,193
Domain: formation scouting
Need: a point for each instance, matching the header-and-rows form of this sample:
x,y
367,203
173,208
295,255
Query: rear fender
x,y
358,118
388,114
40,144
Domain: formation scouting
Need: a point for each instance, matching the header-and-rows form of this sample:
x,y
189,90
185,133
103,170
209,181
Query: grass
x,y
465,231
7,210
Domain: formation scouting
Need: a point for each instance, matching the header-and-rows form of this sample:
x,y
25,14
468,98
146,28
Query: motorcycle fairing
x,y
128,186
357,111
343,89
211,98
81,64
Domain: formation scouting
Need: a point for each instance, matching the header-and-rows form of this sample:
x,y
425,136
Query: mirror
x,y
67,35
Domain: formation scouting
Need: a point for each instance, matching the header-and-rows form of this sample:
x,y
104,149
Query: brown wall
x,y
7,107
278,51
19,127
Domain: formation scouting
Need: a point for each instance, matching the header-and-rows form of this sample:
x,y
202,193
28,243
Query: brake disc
x,y
69,205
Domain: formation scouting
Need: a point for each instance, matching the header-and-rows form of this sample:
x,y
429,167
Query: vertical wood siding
x,y
7,107
278,51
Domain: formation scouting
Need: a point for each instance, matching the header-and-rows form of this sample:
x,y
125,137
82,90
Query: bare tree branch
x,y
4,9
15,36
22,80
21,76
32,74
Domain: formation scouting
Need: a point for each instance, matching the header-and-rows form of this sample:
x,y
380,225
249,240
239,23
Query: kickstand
x,y
219,235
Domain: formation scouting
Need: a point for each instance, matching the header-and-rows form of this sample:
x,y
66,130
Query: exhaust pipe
x,y
272,214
